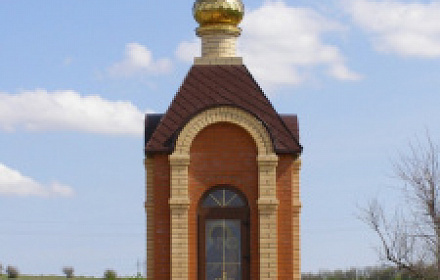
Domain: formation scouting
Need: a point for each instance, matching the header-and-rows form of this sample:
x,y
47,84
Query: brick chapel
x,y
222,169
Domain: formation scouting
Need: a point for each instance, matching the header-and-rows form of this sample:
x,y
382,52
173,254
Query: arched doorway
x,y
223,239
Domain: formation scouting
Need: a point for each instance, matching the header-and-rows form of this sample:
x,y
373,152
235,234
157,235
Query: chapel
x,y
222,169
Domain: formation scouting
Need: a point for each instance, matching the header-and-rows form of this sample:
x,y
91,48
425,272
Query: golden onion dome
x,y
218,12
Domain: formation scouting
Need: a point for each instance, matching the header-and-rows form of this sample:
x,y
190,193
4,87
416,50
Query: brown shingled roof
x,y
208,86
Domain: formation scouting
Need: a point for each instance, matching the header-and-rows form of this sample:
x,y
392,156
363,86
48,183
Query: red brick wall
x,y
285,237
162,268
223,154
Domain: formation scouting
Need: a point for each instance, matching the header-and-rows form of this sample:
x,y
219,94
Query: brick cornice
x,y
179,203
267,204
179,160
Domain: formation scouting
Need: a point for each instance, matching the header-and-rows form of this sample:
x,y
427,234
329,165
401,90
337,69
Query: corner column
x,y
296,216
179,205
268,215
149,208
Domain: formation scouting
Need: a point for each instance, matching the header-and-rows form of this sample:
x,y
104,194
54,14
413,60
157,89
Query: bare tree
x,y
410,239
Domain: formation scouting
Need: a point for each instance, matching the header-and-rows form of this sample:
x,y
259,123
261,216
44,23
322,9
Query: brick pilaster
x,y
149,208
179,205
268,215
296,216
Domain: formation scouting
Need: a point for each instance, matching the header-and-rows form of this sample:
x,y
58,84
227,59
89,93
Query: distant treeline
x,y
373,273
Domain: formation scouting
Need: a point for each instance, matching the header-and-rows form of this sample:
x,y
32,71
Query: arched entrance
x,y
265,252
223,238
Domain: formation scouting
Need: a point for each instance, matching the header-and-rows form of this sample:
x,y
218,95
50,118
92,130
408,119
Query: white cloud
x,y
187,50
13,182
407,29
283,44
40,110
139,60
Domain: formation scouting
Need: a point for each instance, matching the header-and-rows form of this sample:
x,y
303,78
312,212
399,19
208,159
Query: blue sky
x,y
76,78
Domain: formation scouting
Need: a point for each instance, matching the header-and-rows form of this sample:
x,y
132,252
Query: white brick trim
x,y
296,222
149,209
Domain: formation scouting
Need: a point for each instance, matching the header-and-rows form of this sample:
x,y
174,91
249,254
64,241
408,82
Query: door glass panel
x,y
223,249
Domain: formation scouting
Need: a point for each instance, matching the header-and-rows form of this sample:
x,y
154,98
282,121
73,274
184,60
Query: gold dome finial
x,y
218,12
218,30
